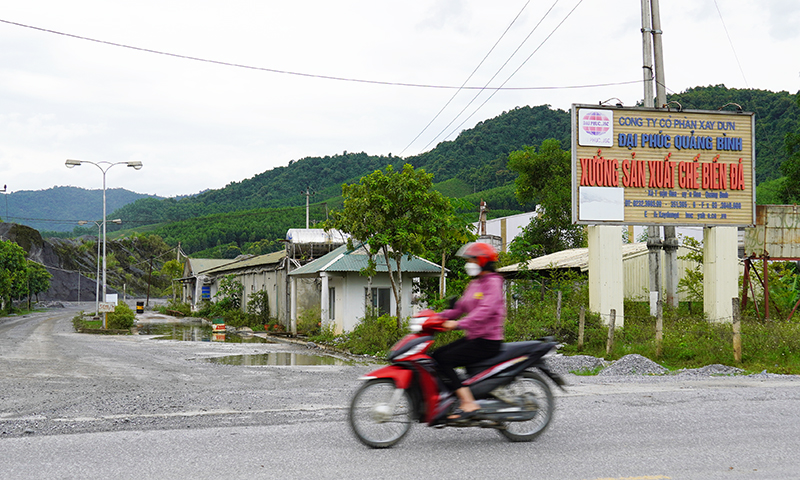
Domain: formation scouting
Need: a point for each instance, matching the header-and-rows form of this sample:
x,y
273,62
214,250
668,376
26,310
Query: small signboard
x,y
105,307
640,166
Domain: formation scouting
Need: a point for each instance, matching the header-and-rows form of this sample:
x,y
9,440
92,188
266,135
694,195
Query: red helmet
x,y
481,252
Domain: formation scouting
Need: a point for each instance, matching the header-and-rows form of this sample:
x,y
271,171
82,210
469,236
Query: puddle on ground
x,y
195,333
279,359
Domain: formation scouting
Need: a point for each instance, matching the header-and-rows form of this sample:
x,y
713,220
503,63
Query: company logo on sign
x,y
596,128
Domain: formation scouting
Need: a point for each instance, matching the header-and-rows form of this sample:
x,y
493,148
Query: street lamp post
x,y
97,278
104,167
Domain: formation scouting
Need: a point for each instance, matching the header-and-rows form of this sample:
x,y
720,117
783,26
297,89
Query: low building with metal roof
x,y
635,265
343,290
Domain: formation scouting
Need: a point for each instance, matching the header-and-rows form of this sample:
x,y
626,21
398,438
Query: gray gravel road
x,y
55,381
89,406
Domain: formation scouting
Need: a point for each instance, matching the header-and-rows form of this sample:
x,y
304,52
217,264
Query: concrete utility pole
x,y
307,193
670,244
653,233
654,69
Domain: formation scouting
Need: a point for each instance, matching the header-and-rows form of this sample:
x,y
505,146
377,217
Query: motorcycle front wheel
x,y
532,392
380,415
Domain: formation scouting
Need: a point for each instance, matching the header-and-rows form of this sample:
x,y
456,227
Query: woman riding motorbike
x,y
484,308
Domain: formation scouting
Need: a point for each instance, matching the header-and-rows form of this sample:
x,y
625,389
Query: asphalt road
x,y
76,406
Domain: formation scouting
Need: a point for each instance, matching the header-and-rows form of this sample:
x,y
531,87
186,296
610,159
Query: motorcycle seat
x,y
533,348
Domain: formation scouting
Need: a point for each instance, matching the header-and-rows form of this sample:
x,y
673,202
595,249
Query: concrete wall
x,y
350,306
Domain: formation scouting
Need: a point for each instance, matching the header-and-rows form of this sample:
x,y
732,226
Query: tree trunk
x,y
397,284
442,276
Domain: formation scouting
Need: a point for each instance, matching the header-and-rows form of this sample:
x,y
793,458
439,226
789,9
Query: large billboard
x,y
642,166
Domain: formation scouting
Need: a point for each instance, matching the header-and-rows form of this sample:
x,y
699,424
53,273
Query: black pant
x,y
461,353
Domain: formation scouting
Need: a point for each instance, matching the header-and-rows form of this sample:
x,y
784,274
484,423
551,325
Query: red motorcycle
x,y
514,396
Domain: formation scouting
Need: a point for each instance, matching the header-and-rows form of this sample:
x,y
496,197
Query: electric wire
x,y
520,67
719,12
307,75
468,78
493,76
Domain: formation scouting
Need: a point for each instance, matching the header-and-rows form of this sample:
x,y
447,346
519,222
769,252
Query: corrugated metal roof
x,y
574,258
343,260
251,262
197,265
315,235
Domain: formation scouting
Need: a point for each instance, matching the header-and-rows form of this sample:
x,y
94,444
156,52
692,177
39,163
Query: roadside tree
x,y
544,178
395,214
13,272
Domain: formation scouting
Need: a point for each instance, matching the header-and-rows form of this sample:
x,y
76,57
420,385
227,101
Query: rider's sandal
x,y
462,416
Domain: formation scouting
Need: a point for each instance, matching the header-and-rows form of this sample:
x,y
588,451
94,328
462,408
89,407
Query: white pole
x,y
97,277
135,165
105,314
647,46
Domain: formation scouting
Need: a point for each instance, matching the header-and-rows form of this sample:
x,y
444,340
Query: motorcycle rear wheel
x,y
370,419
532,391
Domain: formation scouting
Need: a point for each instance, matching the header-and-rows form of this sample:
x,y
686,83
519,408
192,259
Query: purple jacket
x,y
484,304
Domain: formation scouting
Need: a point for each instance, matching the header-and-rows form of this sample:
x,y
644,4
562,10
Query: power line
x,y
469,77
493,76
299,74
520,67
731,43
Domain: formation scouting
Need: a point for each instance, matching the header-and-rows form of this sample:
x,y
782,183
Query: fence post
x,y
737,331
558,310
659,327
611,325
581,323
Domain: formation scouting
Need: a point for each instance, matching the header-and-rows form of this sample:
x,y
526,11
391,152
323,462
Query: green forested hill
x,y
258,211
478,156
279,187
60,208
473,167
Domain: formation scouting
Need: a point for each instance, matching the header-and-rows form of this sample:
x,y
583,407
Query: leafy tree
x,y
230,293
172,269
37,280
258,305
544,178
790,189
13,272
455,232
396,214
692,282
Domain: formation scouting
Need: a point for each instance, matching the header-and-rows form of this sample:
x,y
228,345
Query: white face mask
x,y
473,269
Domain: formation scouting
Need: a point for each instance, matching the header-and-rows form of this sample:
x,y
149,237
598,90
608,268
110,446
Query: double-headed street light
x,y
97,278
104,167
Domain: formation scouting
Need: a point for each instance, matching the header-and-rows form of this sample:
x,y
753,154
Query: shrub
x,y
121,318
309,321
176,305
258,306
374,335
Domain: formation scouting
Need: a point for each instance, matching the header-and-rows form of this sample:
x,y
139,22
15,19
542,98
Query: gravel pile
x,y
634,364
561,364
711,370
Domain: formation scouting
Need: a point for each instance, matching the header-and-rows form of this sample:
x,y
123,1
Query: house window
x,y
380,300
331,303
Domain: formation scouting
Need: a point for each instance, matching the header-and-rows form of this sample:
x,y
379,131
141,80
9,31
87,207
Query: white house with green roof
x,y
343,290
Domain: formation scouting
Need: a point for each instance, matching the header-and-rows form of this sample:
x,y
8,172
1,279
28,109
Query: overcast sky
x,y
198,125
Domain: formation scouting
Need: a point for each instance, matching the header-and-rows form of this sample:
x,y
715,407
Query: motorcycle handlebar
x,y
427,321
